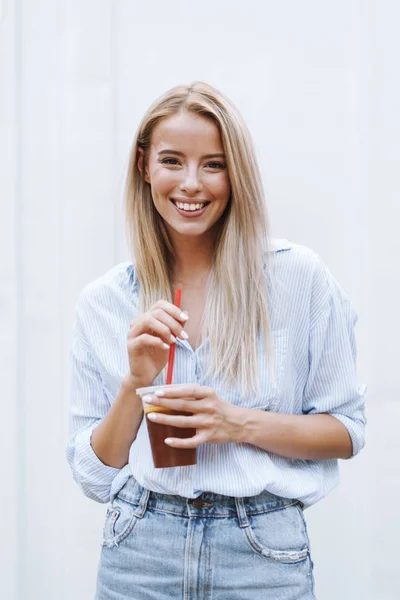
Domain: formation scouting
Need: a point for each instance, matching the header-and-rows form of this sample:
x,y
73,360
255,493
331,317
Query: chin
x,y
192,231
188,230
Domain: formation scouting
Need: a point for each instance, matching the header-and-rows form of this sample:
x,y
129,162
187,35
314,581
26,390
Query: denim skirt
x,y
161,547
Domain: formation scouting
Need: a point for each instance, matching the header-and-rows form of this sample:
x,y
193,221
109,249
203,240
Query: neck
x,y
193,260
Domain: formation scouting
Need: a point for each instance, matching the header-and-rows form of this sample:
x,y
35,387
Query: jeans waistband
x,y
208,504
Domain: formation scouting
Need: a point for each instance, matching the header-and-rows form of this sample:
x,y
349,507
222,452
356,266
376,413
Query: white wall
x,y
316,83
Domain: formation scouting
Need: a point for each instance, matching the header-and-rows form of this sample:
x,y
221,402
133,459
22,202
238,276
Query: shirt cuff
x,y
94,476
355,430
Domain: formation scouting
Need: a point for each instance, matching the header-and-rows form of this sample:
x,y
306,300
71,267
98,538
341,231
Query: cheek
x,y
162,181
221,187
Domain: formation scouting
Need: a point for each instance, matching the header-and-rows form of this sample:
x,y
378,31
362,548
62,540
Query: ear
x,y
142,166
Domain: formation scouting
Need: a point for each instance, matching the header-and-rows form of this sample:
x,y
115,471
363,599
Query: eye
x,y
215,165
169,161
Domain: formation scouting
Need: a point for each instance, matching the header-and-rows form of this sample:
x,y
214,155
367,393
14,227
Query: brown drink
x,y
163,455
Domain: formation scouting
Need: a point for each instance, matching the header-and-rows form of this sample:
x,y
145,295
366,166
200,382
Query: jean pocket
x,y
279,535
119,523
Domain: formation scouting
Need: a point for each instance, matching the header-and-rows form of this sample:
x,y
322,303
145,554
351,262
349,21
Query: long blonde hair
x,y
236,309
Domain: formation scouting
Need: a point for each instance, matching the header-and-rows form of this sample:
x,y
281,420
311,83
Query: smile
x,y
190,208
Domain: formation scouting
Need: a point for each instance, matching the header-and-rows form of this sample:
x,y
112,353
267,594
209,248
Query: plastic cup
x,y
165,456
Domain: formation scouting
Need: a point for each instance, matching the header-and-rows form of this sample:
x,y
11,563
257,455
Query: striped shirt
x,y
312,322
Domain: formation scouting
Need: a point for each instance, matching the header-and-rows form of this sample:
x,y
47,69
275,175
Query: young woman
x,y
266,346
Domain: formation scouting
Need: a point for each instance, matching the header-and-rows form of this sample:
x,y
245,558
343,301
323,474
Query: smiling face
x,y
186,169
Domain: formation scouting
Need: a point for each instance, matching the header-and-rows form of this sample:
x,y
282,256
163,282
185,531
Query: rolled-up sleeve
x,y
332,385
88,405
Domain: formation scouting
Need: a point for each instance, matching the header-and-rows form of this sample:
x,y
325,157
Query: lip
x,y
186,213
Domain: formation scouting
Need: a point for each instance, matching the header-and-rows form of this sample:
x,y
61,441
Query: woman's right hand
x,y
149,339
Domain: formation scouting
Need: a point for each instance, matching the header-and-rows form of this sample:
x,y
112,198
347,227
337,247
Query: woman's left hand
x,y
215,420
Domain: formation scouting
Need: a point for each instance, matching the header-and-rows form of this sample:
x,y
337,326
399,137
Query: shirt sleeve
x,y
332,385
88,405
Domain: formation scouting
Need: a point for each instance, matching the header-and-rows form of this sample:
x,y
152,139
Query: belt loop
x,y
142,507
241,511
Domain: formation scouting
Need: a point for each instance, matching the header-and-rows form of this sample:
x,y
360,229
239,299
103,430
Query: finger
x,y
193,442
160,323
174,421
194,391
146,341
187,405
149,324
173,325
174,311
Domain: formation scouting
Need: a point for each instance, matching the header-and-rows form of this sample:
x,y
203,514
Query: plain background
x,y
317,84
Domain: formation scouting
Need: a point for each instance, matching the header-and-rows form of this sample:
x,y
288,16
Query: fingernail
x,y
184,316
184,335
166,346
152,416
148,399
159,393
173,339
168,441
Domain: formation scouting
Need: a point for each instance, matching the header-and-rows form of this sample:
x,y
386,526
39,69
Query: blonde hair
x,y
236,309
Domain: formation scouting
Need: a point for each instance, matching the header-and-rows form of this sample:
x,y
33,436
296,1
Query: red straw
x,y
171,358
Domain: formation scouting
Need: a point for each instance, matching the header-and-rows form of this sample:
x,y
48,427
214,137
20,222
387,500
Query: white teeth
x,y
189,207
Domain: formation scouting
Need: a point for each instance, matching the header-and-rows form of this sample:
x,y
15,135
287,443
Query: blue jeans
x,y
160,547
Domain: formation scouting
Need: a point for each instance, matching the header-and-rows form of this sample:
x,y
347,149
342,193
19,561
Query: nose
x,y
191,182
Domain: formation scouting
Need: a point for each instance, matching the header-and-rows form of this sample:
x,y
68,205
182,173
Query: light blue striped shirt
x,y
312,324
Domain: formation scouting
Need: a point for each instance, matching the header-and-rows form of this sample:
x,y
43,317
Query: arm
x,y
103,428
309,437
333,421
112,439
332,424
100,432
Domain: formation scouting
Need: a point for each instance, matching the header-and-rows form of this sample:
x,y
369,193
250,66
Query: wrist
x,y
251,420
130,383
241,421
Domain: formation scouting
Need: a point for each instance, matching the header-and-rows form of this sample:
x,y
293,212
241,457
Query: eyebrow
x,y
216,155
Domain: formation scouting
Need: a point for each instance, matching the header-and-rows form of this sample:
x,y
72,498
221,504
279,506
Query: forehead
x,y
186,132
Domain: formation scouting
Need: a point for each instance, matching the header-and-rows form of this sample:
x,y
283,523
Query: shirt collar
x,y
279,244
